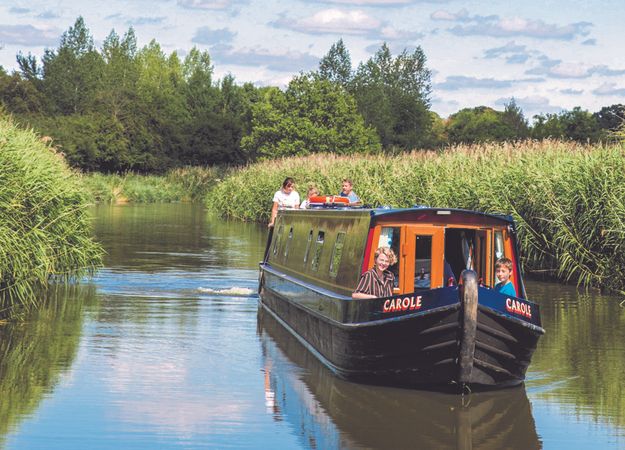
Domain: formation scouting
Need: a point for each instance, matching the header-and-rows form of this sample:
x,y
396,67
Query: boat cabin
x,y
330,247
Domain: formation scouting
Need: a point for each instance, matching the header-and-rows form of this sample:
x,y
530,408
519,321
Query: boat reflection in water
x,y
328,412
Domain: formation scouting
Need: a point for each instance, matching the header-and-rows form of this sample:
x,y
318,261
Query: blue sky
x,y
547,54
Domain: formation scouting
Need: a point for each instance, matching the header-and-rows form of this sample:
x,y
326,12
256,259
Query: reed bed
x,y
186,184
568,199
44,226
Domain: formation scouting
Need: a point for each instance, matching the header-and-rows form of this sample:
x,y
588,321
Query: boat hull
x,y
410,341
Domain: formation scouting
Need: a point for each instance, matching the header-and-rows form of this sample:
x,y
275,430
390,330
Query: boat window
x,y
498,245
276,242
481,259
288,243
390,237
310,235
423,262
335,262
318,247
499,252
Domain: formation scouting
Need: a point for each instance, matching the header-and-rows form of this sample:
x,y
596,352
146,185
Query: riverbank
x,y
45,231
568,199
186,184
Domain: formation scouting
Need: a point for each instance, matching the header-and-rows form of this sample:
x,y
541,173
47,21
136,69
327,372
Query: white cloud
x,y
18,10
511,52
209,36
378,2
279,61
369,2
48,15
145,20
457,82
333,21
570,91
532,104
460,16
609,89
28,35
209,5
555,68
351,22
497,26
392,34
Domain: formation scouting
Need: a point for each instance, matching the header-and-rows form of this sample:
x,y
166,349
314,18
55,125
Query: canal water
x,y
165,348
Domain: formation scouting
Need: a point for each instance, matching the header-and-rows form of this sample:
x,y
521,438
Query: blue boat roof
x,y
383,211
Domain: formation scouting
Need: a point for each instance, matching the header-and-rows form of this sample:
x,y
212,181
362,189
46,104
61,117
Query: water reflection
x,y
35,355
328,412
581,359
174,237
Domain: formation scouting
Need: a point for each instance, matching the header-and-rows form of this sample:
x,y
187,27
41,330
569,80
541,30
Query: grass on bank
x,y
568,199
44,227
186,184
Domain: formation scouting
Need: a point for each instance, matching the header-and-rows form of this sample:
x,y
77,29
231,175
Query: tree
x,y
72,74
480,124
580,125
577,124
313,115
336,65
18,95
611,118
547,126
516,121
118,95
393,96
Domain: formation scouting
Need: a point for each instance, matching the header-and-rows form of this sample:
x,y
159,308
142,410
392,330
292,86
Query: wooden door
x,y
421,262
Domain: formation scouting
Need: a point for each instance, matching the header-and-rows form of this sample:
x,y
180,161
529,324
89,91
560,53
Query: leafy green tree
x,y
18,95
480,124
393,96
577,124
580,125
118,95
611,118
336,65
72,74
547,126
516,121
160,88
313,115
29,68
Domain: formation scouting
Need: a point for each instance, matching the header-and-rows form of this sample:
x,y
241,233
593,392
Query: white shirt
x,y
285,200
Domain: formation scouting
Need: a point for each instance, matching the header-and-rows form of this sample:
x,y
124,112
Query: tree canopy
x,y
123,107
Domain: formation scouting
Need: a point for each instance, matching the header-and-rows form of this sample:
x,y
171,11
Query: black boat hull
x,y
419,348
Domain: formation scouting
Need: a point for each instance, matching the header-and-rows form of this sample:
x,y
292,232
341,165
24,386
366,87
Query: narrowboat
x,y
433,331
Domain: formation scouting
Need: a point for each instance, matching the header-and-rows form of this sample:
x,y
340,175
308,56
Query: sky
x,y
549,55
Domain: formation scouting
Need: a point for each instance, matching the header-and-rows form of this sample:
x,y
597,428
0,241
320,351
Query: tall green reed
x,y
568,199
187,184
44,226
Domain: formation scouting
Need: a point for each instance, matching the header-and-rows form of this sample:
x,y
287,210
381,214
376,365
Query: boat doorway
x,y
422,258
469,248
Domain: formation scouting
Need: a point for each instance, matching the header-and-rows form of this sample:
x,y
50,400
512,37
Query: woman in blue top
x,y
503,271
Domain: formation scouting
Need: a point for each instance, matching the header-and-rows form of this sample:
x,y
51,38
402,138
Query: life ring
x,y
328,200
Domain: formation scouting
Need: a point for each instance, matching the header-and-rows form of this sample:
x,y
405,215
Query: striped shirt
x,y
371,283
